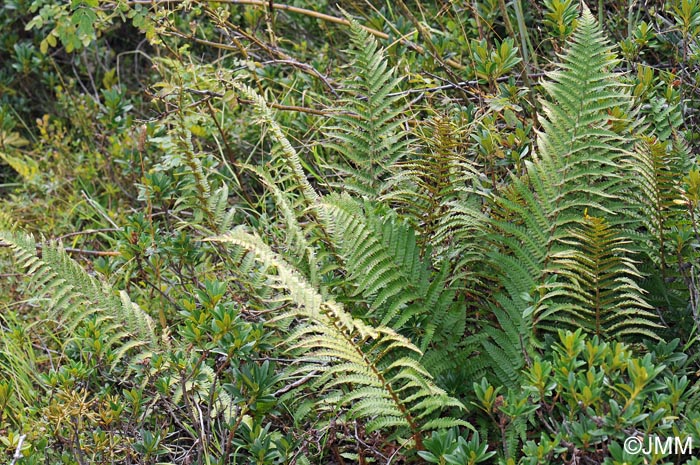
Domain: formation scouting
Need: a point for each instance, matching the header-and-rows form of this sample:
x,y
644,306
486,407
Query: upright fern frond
x,y
585,162
421,186
599,286
72,294
368,131
218,205
659,171
390,388
586,136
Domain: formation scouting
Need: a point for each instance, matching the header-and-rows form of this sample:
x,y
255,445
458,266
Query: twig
x,y
230,154
87,231
303,11
96,253
18,451
296,383
431,47
277,106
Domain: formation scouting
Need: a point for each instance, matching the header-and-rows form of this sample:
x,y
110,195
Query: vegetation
x,y
251,232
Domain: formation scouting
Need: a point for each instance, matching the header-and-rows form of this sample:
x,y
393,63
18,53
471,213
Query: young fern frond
x,y
390,388
368,130
599,286
72,294
421,186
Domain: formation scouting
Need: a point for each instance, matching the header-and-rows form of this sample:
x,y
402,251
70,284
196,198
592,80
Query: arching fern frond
x,y
72,294
291,157
390,388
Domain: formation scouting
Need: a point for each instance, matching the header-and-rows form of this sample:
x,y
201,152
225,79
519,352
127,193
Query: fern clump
x,y
561,235
585,162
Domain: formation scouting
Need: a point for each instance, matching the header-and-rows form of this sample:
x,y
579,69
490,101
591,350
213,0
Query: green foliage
x,y
604,392
425,217
583,155
73,295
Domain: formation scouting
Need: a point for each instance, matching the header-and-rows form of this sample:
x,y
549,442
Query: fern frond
x,y
421,186
381,271
586,162
72,294
221,212
383,263
290,209
600,283
368,132
389,387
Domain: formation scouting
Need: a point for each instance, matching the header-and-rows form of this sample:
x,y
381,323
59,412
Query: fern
x,y
554,264
390,388
72,294
288,206
585,161
421,186
291,157
368,131
600,283
384,273
384,266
